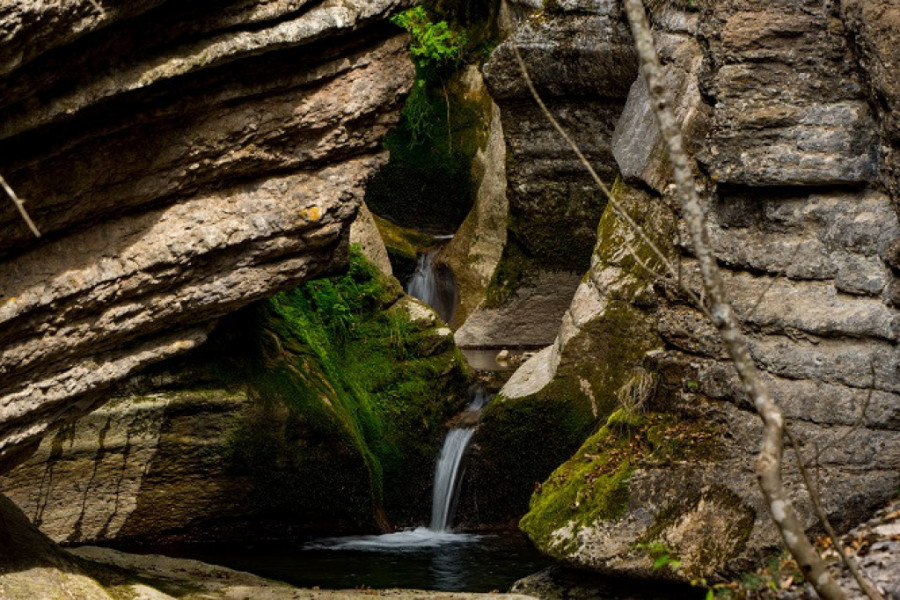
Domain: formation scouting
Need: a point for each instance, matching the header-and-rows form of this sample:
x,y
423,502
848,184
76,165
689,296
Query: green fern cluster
x,y
434,46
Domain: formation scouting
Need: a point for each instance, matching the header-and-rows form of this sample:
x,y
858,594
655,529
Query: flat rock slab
x,y
530,319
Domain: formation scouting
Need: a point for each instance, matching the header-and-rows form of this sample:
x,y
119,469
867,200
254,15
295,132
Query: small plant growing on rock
x,y
663,556
437,50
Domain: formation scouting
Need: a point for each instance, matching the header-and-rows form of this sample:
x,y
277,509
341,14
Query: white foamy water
x,y
408,539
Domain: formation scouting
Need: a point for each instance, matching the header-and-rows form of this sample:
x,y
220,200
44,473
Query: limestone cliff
x,y
181,161
796,161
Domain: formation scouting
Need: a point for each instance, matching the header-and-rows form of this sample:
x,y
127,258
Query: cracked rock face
x,y
180,163
797,163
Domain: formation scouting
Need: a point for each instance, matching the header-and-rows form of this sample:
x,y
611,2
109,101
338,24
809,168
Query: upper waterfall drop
x,y
434,285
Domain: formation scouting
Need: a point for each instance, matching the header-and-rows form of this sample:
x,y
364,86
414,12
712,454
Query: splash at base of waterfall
x,y
401,541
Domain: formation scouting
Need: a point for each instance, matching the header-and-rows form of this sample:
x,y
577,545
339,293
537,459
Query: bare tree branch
x,y
768,465
865,584
20,204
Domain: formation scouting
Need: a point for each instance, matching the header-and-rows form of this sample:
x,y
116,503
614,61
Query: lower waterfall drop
x,y
447,477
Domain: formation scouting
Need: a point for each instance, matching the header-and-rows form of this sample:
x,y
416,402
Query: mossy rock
x,y
351,389
593,484
519,443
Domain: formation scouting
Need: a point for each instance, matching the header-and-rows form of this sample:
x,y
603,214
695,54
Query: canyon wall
x,y
787,108
180,162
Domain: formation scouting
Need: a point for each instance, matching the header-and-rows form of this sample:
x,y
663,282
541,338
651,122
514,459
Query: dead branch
x,y
20,205
865,584
768,465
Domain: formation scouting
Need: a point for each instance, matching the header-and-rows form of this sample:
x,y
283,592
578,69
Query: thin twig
x,y
617,206
769,462
20,204
865,584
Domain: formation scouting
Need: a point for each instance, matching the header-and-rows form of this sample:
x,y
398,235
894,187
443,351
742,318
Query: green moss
x,y
593,484
402,241
428,181
346,402
513,269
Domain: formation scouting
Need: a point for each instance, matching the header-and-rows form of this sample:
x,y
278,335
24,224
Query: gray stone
x,y
636,142
530,319
580,58
780,120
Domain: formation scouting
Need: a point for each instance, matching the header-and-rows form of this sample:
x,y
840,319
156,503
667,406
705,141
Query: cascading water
x,y
448,472
447,477
434,285
422,284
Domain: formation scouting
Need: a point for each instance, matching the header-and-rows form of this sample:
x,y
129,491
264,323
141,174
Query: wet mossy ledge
x,y
351,383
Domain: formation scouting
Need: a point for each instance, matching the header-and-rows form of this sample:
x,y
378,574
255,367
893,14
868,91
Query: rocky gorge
x,y
192,351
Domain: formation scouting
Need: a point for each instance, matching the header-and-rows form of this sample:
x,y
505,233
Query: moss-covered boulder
x,y
635,499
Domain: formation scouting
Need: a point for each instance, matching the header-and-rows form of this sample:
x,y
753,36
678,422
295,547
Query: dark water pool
x,y
418,559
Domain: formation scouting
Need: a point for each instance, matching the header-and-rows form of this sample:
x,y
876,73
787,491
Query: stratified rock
x,y
257,436
181,162
808,265
580,58
789,106
874,28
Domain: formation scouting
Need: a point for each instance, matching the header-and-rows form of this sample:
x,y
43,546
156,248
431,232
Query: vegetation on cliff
x,y
428,182
352,383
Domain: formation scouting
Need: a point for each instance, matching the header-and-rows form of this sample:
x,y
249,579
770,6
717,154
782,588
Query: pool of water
x,y
418,558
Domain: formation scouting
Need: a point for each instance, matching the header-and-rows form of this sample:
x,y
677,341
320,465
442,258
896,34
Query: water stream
x,y
447,477
434,285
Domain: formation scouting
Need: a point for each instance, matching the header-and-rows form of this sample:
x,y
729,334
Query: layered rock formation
x,y
795,162
260,434
180,161
580,58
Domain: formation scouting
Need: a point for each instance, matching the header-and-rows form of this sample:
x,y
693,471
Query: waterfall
x,y
447,477
423,283
434,285
448,472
